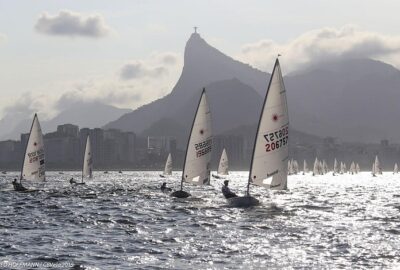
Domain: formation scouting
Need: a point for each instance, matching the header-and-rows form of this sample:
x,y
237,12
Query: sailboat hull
x,y
180,194
245,201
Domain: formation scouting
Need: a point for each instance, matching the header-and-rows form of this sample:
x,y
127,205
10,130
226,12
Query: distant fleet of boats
x,y
270,164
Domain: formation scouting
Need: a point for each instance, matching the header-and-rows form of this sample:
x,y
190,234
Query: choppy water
x,y
122,221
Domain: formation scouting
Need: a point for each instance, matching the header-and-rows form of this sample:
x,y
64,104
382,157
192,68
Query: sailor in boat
x,y
72,181
164,187
226,191
18,186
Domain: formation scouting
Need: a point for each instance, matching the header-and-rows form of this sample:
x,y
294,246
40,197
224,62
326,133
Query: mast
x,y
259,124
190,135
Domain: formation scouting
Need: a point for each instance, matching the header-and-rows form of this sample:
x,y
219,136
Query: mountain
x,y
347,98
352,99
203,65
231,102
83,114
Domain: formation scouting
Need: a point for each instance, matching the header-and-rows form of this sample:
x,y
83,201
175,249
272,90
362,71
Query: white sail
x,y
353,168
316,165
335,166
305,168
357,168
396,168
168,165
289,167
373,170
196,168
33,167
295,167
324,167
223,164
87,160
270,154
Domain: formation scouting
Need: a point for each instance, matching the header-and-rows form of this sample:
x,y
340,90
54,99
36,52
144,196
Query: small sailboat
x,y
373,170
196,168
352,168
305,168
335,167
270,153
168,167
33,165
378,168
87,169
223,166
395,169
315,168
295,166
357,168
289,167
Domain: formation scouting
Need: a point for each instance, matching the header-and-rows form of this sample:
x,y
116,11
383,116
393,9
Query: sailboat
x,y
270,153
196,168
335,167
373,170
87,169
305,168
352,168
315,168
378,168
223,166
168,167
33,165
357,168
396,169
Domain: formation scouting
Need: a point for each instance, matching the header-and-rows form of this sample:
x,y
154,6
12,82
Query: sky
x,y
128,53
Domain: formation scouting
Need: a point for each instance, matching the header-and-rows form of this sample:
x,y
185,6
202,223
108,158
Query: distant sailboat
x,y
305,168
352,168
33,165
315,168
168,166
378,168
289,167
357,168
196,168
269,165
335,167
87,169
223,165
396,168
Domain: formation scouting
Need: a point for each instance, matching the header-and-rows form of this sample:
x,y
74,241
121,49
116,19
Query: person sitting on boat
x,y
18,186
164,187
72,181
226,191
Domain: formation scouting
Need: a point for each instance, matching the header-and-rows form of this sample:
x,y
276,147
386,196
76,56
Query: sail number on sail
x,y
36,155
276,139
203,148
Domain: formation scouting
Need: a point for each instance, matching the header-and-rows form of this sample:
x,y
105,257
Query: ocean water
x,y
123,221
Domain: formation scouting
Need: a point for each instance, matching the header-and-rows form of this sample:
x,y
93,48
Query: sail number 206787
x,y
276,139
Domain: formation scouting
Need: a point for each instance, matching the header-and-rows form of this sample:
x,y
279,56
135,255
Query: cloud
x,y
67,23
157,66
138,69
321,45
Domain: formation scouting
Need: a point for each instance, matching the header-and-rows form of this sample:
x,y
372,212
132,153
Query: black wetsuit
x,y
18,186
72,181
164,188
227,192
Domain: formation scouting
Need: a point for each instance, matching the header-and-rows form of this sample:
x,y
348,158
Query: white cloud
x,y
157,66
321,45
67,23
109,89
